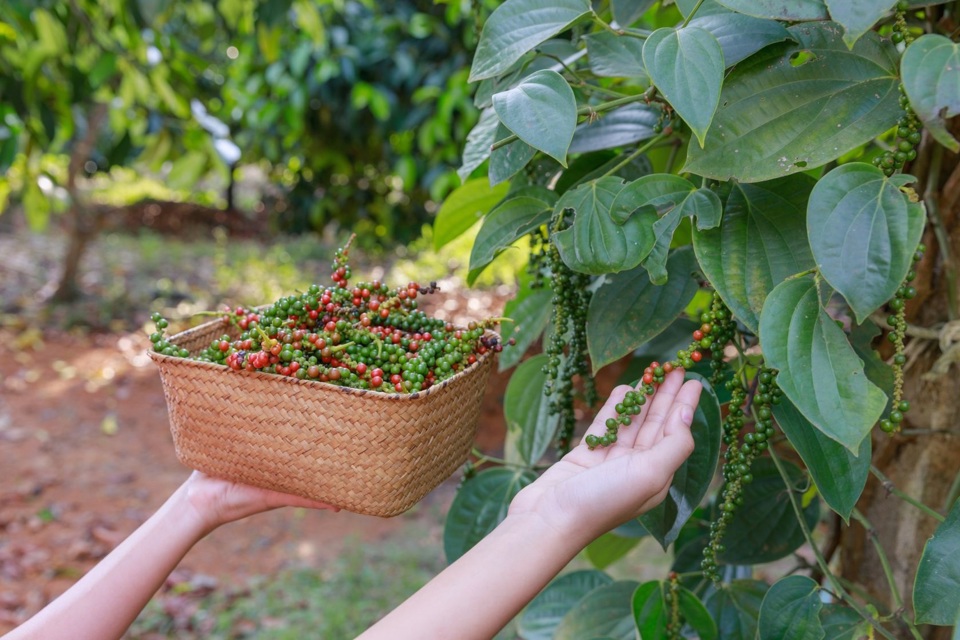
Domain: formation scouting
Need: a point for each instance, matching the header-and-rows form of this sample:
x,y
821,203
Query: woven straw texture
x,y
364,451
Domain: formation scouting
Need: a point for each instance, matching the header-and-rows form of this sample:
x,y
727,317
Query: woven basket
x,y
364,451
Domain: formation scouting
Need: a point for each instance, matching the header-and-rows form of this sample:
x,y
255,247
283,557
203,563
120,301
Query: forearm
x,y
483,590
108,599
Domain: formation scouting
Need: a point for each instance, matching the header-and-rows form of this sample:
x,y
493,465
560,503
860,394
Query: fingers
x,y
676,443
655,413
277,499
647,428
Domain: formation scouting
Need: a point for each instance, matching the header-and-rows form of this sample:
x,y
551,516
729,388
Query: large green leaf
x,y
741,36
696,615
663,191
791,610
863,234
597,243
931,78
540,619
693,478
464,207
862,338
686,65
508,222
765,528
479,506
517,26
609,548
702,204
840,475
789,10
857,17
736,608
542,111
760,242
553,54
819,370
626,12
650,611
790,108
477,148
530,313
936,590
642,310
602,613
843,623
703,7
506,161
615,55
527,410
688,555
618,128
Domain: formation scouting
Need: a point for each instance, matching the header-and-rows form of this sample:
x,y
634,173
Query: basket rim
x,y
316,384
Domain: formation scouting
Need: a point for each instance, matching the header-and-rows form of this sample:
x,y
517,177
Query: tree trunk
x,y
83,222
922,461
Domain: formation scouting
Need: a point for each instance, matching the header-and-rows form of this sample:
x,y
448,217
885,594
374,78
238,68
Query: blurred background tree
x,y
349,112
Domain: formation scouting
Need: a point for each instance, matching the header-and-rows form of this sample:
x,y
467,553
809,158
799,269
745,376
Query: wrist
x,y
563,537
190,505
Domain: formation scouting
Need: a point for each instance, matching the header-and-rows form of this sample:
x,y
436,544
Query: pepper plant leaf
x,y
840,475
765,527
735,606
479,506
740,36
516,27
787,10
931,77
596,243
613,55
603,613
818,369
858,17
791,611
686,65
509,221
541,111
793,107
463,208
643,309
761,241
936,590
863,232
542,616
527,410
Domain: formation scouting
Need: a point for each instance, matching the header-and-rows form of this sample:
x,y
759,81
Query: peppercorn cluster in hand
x,y
367,336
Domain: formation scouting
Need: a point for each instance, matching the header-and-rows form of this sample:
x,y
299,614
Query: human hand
x,y
588,493
218,502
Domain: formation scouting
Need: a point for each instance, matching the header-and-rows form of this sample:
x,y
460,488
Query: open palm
x,y
593,491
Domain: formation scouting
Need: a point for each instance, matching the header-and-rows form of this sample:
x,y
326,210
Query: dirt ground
x,y
86,456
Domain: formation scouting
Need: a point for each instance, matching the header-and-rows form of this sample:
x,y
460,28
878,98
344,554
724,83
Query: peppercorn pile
x,y
367,336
